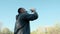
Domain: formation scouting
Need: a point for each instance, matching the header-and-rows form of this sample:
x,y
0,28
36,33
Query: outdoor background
x,y
48,12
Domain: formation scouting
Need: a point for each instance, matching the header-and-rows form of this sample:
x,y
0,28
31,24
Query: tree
x,y
0,26
6,31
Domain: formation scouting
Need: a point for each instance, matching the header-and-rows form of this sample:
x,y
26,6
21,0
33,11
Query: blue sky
x,y
48,11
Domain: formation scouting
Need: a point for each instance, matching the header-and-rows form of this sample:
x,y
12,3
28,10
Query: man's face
x,y
22,10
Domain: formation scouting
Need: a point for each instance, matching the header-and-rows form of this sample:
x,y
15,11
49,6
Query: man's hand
x,y
32,9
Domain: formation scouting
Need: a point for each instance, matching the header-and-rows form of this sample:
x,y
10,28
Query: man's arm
x,y
31,16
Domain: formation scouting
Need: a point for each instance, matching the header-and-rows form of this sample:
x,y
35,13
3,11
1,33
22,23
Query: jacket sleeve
x,y
31,16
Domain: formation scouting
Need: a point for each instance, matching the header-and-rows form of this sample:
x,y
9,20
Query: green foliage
x,y
49,30
34,32
6,31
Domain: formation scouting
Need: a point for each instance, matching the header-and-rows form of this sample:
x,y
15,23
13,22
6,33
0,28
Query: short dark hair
x,y
19,10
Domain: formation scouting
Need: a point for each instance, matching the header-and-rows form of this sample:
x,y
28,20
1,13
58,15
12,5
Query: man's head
x,y
21,10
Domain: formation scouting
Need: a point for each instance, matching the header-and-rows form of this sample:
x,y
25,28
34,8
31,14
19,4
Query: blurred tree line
x,y
48,30
6,31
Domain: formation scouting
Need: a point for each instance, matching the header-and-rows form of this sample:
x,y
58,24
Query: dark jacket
x,y
22,22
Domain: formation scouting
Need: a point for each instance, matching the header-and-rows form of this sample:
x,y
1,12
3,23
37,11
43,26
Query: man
x,y
22,25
